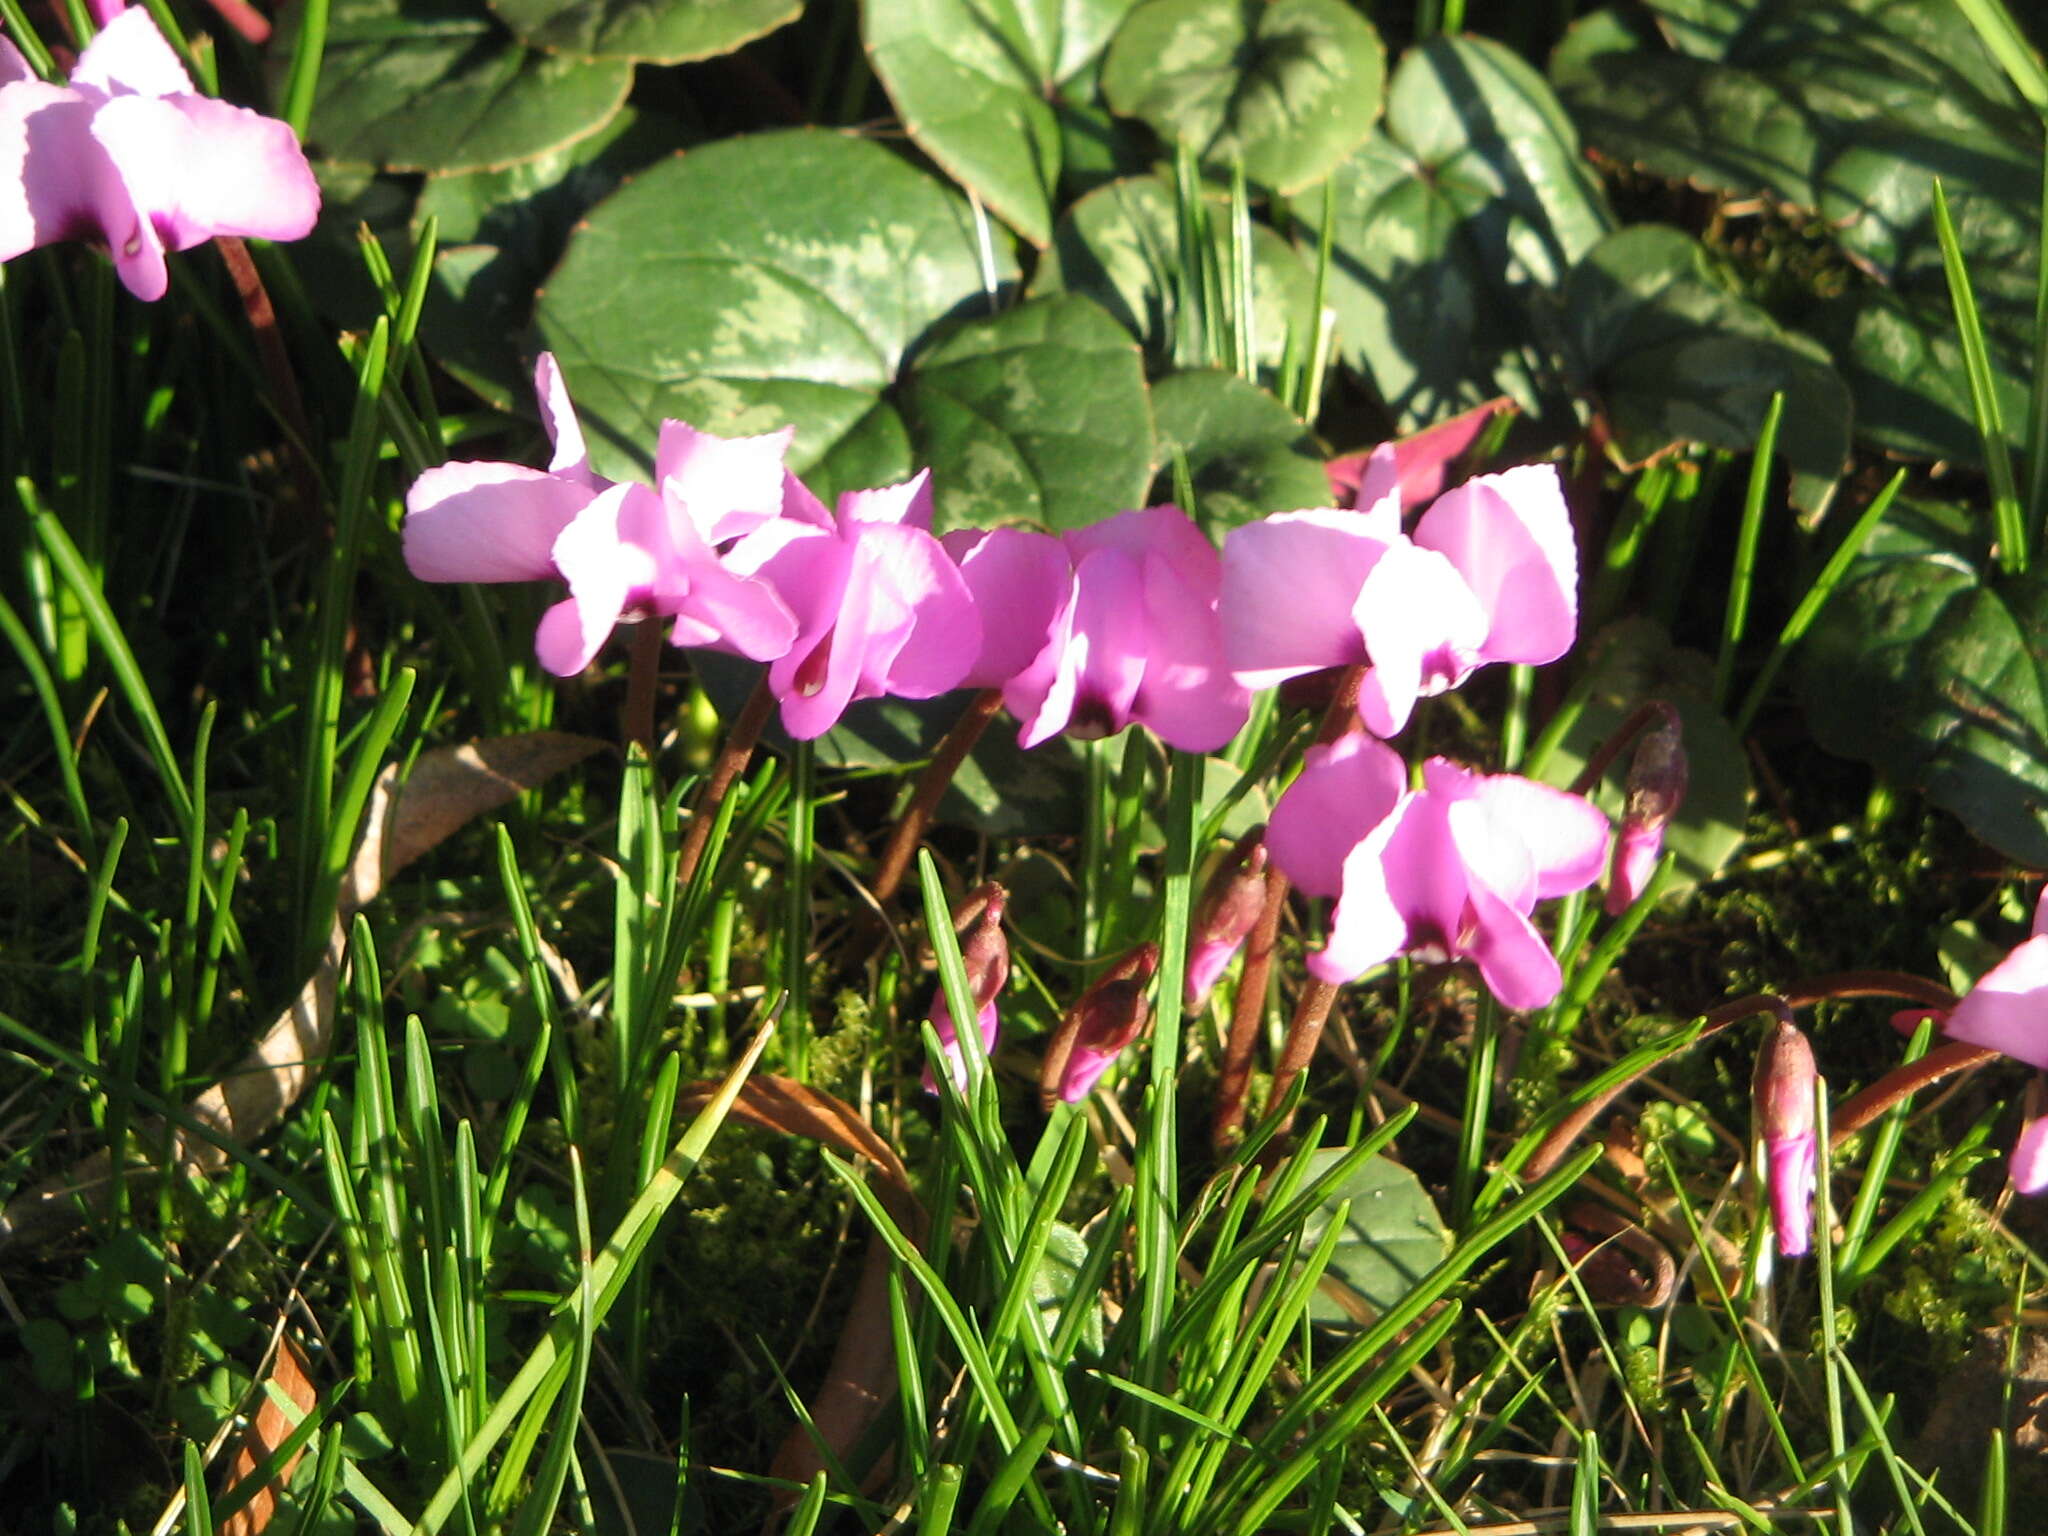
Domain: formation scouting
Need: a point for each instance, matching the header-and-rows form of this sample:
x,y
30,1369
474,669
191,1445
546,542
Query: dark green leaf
x,y
1676,357
436,85
1119,246
1289,86
1469,200
1246,452
664,32
977,84
1038,414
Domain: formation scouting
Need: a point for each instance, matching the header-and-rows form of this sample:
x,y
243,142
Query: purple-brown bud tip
x,y
1227,913
985,953
1657,778
1103,1021
1784,1088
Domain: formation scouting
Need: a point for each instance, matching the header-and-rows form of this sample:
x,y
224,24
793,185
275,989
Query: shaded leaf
x,y
1246,453
1675,357
780,278
1393,1236
1469,201
665,32
436,85
978,84
1290,87
1037,414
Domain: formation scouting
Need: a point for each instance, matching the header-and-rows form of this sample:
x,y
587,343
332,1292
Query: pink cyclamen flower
x,y
1448,871
1784,1094
2007,1010
986,958
880,607
625,550
1133,632
1490,573
2028,1165
130,155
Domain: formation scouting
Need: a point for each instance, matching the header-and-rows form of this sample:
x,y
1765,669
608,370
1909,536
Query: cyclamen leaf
x,y
1393,1236
979,86
436,85
665,32
1290,87
1246,453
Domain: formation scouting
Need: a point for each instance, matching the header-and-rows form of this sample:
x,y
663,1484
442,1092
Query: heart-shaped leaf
x,y
663,32
978,84
1469,199
1676,357
1920,666
437,85
1246,453
1289,87
1038,413
779,278
1393,1236
1119,245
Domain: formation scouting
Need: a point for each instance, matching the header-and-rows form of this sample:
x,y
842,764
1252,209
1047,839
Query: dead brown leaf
x,y
270,1429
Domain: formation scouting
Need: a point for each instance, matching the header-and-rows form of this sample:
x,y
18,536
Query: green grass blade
x,y
1984,402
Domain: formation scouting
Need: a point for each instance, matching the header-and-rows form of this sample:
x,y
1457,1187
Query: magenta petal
x,y
908,505
1422,628
2041,913
1019,580
1187,697
1510,537
129,56
949,1037
728,486
1206,964
572,456
607,570
13,67
1366,925
1515,963
1343,791
201,168
1110,640
2028,1165
1289,585
2007,1010
486,522
942,637
58,183
1566,834
1793,1175
1084,1069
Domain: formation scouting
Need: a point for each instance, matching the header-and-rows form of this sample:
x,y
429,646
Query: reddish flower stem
x,y
277,367
733,758
1945,1060
931,787
1247,1009
1639,720
643,673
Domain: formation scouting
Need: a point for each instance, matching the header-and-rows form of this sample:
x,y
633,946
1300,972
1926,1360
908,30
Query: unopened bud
x,y
1105,1019
986,957
1657,778
1784,1089
1228,911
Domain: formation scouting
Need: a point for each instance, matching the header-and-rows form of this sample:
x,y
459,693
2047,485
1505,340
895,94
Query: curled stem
x,y
931,785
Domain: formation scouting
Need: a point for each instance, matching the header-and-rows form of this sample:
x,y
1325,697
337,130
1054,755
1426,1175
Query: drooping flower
x,y
1784,1096
624,549
1134,636
1657,777
1226,914
130,155
986,958
880,607
2007,1010
1448,871
1099,1027
1490,573
1020,580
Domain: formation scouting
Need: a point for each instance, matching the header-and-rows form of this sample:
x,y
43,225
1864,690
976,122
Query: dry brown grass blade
x,y
861,1380
447,788
270,1428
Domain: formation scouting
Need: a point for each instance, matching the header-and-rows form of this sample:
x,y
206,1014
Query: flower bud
x,y
986,956
2028,1165
1105,1019
1784,1089
1656,788
1228,911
